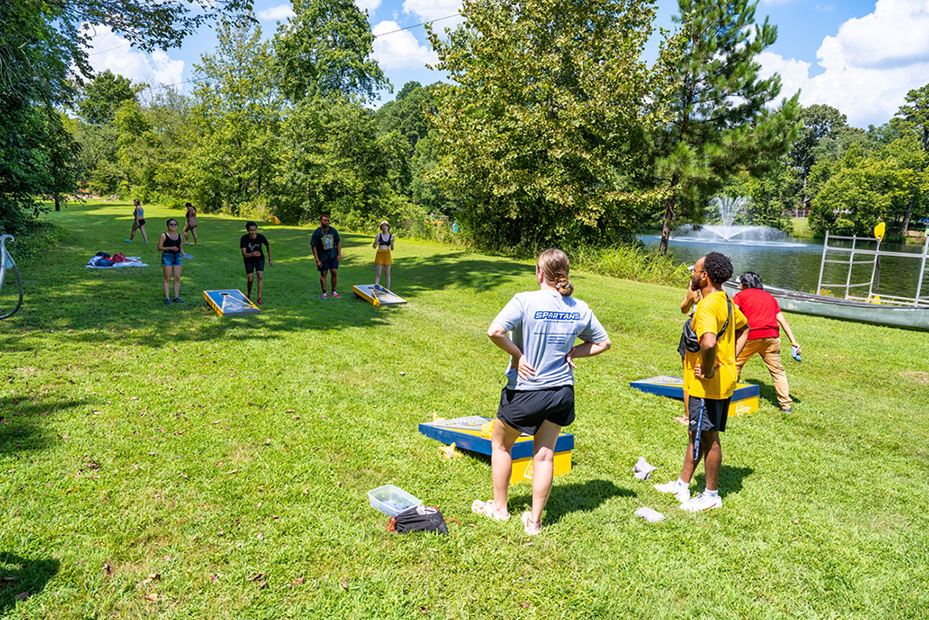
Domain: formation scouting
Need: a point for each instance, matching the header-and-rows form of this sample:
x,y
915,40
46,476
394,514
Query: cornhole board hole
x,y
744,399
465,433
377,295
230,302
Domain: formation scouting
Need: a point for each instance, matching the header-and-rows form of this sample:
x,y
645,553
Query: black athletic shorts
x,y
526,411
254,265
715,413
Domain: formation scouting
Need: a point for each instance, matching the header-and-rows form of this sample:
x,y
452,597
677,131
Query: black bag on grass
x,y
418,518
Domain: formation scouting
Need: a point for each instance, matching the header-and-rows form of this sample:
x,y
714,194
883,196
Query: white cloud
x,y
368,5
868,67
400,50
428,10
109,51
274,13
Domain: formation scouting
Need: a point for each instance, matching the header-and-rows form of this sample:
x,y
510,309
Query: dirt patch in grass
x,y
920,376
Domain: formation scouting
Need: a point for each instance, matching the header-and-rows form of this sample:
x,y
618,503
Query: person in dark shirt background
x,y
327,250
250,244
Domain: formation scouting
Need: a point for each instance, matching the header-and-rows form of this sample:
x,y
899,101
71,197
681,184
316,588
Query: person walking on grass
x,y
327,250
538,398
384,242
251,243
709,379
138,221
170,245
764,315
191,225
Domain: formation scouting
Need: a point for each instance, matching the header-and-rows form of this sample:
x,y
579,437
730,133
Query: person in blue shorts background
x,y
170,246
327,250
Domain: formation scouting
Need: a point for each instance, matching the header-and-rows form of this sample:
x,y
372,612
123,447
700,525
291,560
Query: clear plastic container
x,y
391,500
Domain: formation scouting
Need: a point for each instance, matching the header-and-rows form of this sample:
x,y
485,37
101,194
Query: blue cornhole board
x,y
230,302
744,399
466,434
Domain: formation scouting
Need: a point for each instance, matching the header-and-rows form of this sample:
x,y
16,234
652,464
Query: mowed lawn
x,y
165,462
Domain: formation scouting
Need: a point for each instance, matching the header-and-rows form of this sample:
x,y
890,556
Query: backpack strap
x,y
728,316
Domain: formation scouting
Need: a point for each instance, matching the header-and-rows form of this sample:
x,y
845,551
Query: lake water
x,y
794,263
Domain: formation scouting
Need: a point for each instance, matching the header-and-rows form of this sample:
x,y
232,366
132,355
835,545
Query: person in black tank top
x,y
384,243
171,247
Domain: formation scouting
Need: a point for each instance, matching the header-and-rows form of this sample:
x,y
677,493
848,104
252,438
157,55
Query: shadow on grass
x,y
21,578
21,424
96,305
767,392
730,479
574,497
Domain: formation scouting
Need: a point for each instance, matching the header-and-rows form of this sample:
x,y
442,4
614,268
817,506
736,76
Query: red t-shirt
x,y
761,310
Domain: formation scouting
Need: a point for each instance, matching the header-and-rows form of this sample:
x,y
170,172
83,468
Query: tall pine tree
x,y
719,121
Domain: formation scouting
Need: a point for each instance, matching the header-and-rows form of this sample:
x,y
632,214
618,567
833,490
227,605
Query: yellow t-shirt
x,y
709,317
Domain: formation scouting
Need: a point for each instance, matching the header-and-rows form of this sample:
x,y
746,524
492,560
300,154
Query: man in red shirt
x,y
764,315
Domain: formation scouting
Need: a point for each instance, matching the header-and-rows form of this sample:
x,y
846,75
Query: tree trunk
x,y
57,203
668,217
906,218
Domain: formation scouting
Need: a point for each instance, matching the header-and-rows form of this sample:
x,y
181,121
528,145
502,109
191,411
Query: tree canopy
x,y
43,55
541,134
103,95
325,50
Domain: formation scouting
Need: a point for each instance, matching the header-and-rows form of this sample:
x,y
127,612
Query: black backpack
x,y
690,341
418,518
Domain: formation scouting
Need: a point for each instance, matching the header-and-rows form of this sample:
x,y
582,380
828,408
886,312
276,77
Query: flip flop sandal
x,y
532,527
487,509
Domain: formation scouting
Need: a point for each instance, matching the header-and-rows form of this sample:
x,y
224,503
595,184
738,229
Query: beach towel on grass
x,y
102,262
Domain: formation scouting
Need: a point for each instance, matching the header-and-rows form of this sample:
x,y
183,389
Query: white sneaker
x,y
702,501
676,488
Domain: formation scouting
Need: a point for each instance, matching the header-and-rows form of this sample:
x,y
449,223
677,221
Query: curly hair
x,y
718,267
750,279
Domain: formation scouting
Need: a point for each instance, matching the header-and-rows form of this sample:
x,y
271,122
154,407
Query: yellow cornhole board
x,y
230,302
465,433
377,295
744,399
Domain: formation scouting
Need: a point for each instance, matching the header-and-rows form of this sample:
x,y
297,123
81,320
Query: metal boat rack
x,y
872,257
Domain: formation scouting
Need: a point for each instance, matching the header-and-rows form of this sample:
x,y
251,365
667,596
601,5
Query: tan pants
x,y
770,351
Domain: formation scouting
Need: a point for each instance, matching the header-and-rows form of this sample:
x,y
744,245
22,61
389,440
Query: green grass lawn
x,y
801,227
165,462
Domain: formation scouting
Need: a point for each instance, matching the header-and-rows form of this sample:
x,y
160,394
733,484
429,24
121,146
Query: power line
x,y
432,21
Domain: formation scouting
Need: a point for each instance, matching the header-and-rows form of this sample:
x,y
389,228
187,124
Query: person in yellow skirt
x,y
384,242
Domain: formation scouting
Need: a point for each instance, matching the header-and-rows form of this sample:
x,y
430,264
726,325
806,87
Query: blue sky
x,y
860,56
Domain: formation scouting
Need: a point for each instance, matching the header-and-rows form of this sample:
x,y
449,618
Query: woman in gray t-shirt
x,y
539,395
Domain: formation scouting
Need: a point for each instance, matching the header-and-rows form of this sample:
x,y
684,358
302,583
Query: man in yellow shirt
x,y
710,376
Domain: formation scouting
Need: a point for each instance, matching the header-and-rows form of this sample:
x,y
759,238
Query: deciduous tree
x,y
43,53
325,50
542,137
817,123
333,161
237,112
103,95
